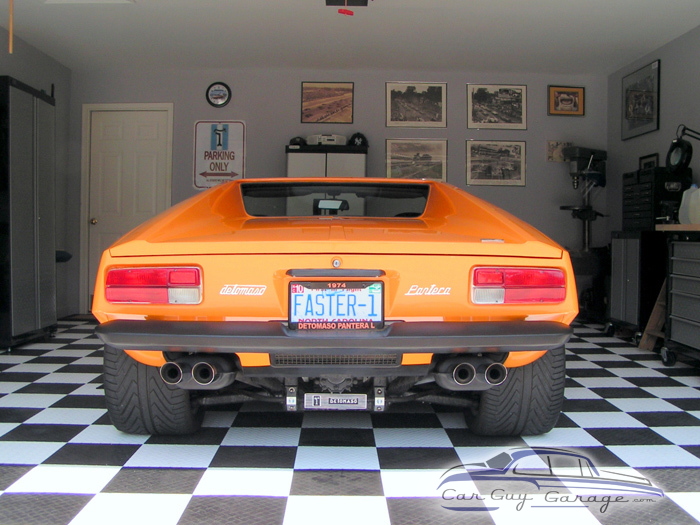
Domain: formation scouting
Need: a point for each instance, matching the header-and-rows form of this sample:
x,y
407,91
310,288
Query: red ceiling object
x,y
344,4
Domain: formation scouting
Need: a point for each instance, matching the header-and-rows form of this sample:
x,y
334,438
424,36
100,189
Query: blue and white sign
x,y
219,152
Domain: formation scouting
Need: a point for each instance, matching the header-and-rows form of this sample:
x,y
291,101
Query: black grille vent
x,y
335,360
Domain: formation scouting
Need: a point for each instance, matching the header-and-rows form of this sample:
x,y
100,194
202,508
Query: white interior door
x,y
129,170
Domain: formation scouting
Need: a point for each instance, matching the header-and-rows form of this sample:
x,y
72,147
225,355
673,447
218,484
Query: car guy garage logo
x,y
219,154
542,478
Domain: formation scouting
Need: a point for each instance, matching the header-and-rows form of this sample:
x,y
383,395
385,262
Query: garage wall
x,y
269,102
679,104
40,71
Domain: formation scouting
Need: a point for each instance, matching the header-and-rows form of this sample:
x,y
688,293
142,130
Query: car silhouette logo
x,y
547,469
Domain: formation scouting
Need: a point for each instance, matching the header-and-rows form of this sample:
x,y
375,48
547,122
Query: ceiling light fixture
x,y
681,151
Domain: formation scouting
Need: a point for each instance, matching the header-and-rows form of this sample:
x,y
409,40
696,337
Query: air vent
x,y
335,360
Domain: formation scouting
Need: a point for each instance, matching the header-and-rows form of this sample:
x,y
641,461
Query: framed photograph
x,y
416,104
496,106
640,101
555,150
416,159
649,161
495,163
327,102
566,101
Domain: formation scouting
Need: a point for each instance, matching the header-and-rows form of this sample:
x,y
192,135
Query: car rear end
x,y
334,311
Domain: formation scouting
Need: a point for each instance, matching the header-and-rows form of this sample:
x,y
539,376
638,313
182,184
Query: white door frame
x,y
88,109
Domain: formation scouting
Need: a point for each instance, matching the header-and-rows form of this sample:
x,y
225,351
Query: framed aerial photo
x,y
416,104
566,101
496,106
640,101
495,163
327,102
416,159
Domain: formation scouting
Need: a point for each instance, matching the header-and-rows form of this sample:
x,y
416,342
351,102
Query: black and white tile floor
x,y
61,462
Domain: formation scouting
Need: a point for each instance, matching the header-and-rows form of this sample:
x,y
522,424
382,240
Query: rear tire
x,y
140,402
527,403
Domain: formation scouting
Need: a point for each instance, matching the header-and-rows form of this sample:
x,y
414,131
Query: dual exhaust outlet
x,y
473,374
198,374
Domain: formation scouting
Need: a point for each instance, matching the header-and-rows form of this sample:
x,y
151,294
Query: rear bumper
x,y
276,338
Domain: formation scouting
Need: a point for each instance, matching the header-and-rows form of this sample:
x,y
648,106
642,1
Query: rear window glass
x,y
307,199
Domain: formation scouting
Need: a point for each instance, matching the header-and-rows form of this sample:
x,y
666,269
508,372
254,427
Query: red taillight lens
x,y
154,285
518,285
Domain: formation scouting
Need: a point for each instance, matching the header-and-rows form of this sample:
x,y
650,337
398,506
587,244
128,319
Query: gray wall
x,y
679,104
40,71
269,102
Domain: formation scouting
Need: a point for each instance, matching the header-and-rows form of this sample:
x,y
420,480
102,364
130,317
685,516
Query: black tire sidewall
x,y
140,402
527,403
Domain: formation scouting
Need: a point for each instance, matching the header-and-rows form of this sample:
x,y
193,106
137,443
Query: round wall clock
x,y
218,94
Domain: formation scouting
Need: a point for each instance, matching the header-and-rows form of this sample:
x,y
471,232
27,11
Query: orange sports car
x,y
335,294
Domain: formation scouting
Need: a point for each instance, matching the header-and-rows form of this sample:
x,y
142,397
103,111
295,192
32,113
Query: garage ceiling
x,y
547,36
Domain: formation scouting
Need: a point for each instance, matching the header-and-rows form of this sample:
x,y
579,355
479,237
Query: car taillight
x,y
518,285
178,285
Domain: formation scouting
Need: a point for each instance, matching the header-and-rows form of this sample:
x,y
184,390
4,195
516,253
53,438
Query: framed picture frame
x,y
648,162
640,101
416,159
566,101
327,102
496,106
495,163
416,104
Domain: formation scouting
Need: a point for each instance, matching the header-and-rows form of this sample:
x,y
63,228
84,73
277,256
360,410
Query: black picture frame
x,y
640,101
327,102
649,161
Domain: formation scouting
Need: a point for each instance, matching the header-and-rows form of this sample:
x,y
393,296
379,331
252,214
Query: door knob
x,y
93,221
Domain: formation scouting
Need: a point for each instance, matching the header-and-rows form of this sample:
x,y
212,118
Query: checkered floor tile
x,y
61,462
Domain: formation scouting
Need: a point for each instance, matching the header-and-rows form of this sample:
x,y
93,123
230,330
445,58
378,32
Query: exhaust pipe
x,y
469,373
204,373
495,374
194,374
463,374
172,373
212,374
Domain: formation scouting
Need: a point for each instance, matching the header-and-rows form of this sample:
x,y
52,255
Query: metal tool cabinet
x,y
638,269
683,302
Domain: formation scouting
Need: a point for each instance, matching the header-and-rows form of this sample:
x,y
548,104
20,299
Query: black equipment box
x,y
652,196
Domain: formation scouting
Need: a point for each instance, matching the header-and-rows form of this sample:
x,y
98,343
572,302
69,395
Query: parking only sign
x,y
219,152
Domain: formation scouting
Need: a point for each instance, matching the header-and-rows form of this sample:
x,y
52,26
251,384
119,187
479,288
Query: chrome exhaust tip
x,y
495,374
204,373
463,373
171,373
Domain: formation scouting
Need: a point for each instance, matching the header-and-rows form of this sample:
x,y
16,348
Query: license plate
x,y
336,305
327,401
